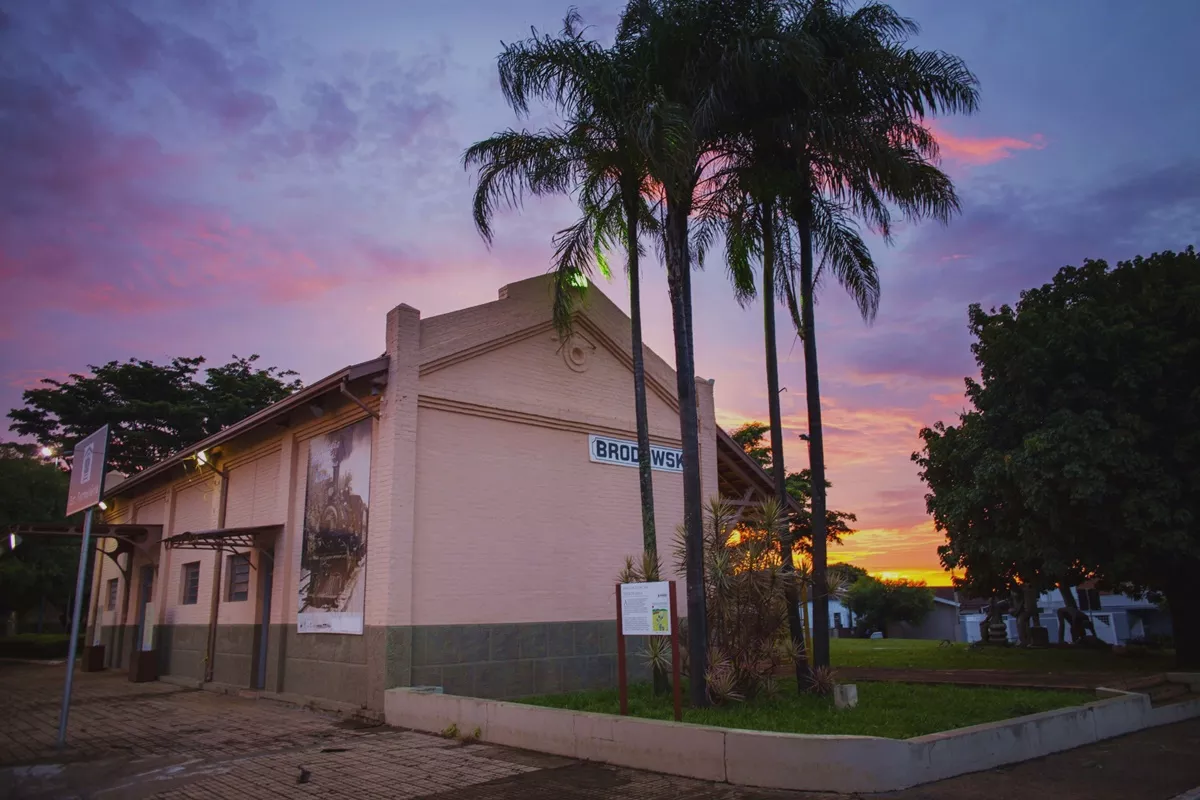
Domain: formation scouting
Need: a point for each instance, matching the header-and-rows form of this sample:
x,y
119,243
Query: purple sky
x,y
270,177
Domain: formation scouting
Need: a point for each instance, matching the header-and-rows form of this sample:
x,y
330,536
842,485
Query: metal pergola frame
x,y
129,537
222,539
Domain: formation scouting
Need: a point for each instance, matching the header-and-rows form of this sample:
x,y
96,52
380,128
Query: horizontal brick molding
x,y
780,760
559,423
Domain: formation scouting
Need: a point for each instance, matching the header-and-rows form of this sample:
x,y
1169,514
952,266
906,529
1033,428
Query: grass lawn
x,y
926,654
893,710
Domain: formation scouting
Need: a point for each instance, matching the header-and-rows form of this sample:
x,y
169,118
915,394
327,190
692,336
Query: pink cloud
x,y
983,150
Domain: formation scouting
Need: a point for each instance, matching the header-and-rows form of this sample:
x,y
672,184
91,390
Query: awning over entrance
x,y
233,539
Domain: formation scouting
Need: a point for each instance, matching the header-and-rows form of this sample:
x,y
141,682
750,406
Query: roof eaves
x,y
328,383
752,466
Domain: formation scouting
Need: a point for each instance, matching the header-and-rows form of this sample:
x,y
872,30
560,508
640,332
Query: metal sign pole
x,y
622,680
677,684
74,644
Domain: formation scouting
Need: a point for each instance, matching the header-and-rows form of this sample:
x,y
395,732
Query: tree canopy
x,y
33,491
879,603
1080,455
152,410
849,572
838,524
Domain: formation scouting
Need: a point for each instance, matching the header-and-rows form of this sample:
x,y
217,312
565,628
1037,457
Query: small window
x,y
238,587
837,619
112,594
190,583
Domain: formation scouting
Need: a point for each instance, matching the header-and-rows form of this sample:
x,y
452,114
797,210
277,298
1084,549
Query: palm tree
x,y
754,224
748,204
830,128
860,144
689,54
595,154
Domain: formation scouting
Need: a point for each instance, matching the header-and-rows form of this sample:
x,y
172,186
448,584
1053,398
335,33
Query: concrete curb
x,y
298,700
781,760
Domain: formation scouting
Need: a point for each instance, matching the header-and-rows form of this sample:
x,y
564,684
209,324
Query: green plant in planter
x,y
748,638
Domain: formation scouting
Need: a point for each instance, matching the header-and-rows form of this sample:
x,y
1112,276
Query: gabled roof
x,y
456,336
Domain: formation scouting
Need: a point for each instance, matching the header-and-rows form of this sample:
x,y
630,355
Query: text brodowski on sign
x,y
604,450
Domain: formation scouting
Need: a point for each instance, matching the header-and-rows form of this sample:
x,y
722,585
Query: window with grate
x,y
238,587
189,583
112,594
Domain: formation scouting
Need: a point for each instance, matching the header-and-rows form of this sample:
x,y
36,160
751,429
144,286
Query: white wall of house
x,y
1119,618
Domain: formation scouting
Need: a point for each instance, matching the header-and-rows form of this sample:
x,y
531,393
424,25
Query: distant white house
x,y
1118,617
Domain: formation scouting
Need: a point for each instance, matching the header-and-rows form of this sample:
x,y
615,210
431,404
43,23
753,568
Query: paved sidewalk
x,y
133,741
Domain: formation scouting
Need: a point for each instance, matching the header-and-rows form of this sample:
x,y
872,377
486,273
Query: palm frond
x,y
512,163
846,256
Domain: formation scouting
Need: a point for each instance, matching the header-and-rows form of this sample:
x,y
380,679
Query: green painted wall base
x,y
491,661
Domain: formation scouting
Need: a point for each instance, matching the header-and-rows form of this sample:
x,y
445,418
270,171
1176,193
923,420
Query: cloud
x,y
97,215
334,127
902,550
982,150
1018,239
932,350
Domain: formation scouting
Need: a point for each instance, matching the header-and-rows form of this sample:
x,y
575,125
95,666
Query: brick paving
x,y
133,741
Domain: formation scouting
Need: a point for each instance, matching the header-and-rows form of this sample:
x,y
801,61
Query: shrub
x,y
743,586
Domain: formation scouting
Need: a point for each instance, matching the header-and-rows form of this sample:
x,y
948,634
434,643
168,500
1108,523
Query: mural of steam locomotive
x,y
335,529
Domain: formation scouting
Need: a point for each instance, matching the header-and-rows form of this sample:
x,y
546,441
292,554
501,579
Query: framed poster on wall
x,y
333,552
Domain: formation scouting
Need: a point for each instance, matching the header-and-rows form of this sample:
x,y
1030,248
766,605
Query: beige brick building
x,y
452,513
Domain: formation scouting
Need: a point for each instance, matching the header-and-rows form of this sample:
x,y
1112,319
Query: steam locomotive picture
x,y
334,548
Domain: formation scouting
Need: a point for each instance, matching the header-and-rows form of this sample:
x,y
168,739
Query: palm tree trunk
x,y
645,476
649,538
790,594
816,449
679,284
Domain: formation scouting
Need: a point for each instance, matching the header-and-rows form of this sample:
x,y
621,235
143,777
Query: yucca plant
x,y
748,638
822,681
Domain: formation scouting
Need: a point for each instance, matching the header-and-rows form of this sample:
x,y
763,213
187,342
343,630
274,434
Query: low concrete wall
x,y
670,747
779,760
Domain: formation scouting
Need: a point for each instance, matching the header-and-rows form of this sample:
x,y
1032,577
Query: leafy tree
x,y
749,436
152,410
1082,450
848,572
878,604
39,568
799,486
